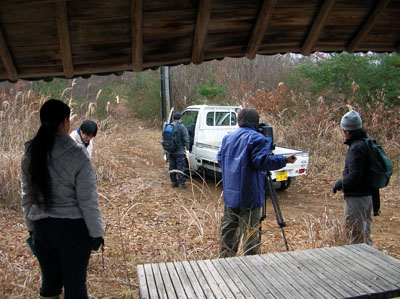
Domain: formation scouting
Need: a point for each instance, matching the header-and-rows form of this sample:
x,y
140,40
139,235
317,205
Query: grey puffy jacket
x,y
73,186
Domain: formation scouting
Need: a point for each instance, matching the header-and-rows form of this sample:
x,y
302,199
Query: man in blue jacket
x,y
245,157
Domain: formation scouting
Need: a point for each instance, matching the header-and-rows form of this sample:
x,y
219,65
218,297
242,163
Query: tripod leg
x,y
277,209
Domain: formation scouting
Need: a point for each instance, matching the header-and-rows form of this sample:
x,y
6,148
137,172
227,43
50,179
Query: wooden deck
x,y
340,272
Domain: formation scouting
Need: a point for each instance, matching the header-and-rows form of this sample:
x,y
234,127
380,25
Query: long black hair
x,y
52,114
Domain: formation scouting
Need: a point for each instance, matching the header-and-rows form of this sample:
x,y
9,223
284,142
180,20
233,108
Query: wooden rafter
x,y
63,36
11,3
7,58
200,33
367,25
258,32
137,35
317,27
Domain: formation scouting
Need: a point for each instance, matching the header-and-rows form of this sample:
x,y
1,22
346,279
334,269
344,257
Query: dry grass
x,y
148,222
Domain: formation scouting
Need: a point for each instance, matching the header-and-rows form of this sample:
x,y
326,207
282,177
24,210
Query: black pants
x,y
178,162
63,251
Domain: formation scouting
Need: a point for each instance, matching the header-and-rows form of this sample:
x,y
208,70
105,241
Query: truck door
x,y
189,119
171,113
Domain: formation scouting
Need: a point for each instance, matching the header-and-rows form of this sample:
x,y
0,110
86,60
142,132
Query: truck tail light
x,y
301,171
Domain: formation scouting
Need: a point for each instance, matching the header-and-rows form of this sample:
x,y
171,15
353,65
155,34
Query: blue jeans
x,y
177,161
63,251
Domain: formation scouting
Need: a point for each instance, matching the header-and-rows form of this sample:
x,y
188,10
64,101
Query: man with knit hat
x,y
354,184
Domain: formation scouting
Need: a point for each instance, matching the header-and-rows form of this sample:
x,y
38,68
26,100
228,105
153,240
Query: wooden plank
x,y
265,272
379,254
338,272
317,27
7,58
290,275
137,35
63,36
151,284
143,289
260,27
225,270
310,285
348,268
202,280
193,279
219,279
242,281
187,286
200,32
317,273
369,269
169,287
179,290
367,25
343,282
364,273
389,269
159,281
261,289
211,280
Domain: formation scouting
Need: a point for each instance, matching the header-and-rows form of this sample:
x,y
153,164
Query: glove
x,y
337,186
95,243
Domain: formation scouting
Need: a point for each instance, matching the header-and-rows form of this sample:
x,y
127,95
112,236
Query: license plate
x,y
281,176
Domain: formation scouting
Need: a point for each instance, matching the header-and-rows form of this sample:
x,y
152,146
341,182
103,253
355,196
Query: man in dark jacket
x,y
177,158
354,184
245,157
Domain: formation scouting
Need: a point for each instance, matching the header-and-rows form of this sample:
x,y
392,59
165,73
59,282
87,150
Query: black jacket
x,y
355,173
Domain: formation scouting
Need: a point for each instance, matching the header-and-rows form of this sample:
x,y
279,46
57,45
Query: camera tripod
x,y
272,193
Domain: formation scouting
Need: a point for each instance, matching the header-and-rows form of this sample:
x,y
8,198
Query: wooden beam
x,y
200,32
137,35
7,58
258,32
63,36
8,3
318,25
367,25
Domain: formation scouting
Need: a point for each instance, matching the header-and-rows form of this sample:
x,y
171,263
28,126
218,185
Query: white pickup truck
x,y
207,125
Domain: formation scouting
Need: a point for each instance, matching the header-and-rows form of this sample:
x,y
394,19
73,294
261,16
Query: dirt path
x,y
147,221
190,219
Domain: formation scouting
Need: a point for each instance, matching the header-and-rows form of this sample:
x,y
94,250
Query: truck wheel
x,y
284,185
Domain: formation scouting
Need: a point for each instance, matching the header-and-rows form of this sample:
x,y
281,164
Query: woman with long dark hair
x,y
60,204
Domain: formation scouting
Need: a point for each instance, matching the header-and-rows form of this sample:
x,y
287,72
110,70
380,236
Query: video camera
x,y
268,132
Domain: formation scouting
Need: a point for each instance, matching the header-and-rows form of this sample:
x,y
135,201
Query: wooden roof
x,y
59,38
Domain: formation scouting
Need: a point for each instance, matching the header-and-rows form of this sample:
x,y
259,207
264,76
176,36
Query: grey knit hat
x,y
351,121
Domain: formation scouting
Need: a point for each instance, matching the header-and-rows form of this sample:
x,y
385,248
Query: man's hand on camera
x,y
291,159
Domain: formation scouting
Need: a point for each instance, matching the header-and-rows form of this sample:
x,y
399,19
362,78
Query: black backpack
x,y
380,168
170,138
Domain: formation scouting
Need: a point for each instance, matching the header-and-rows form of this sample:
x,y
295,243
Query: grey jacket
x,y
73,186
